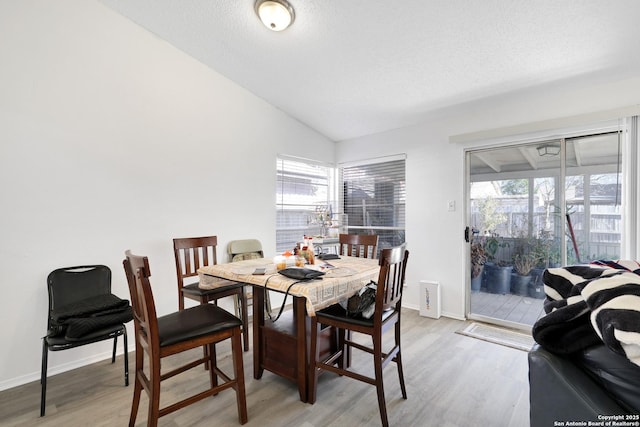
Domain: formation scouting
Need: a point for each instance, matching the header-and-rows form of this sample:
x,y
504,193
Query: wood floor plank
x,y
452,380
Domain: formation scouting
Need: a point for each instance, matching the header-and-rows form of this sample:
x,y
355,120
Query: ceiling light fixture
x,y
276,15
548,150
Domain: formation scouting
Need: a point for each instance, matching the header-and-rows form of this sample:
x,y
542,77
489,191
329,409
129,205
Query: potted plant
x,y
536,286
527,252
555,258
498,272
548,256
523,263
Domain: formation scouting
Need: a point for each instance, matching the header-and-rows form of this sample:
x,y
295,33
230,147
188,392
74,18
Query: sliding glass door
x,y
534,206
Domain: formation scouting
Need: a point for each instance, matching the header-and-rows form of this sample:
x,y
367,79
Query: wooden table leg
x,y
267,355
258,322
300,315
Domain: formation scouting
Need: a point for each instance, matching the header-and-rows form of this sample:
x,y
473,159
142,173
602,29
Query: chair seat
x,y
336,312
193,289
94,336
194,322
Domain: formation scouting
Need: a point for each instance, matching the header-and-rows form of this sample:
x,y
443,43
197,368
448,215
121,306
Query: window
x,y
304,189
374,199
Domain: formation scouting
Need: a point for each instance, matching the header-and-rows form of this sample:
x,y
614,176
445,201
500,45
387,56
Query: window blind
x,y
374,199
303,188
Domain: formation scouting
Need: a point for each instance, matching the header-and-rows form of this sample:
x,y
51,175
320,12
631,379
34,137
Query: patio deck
x,y
508,307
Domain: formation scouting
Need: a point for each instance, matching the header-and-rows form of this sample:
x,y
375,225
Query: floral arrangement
x,y
322,217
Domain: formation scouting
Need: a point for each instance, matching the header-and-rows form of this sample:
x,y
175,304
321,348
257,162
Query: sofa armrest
x,y
561,391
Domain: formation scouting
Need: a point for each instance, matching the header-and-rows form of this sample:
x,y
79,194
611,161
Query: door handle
x,y
466,234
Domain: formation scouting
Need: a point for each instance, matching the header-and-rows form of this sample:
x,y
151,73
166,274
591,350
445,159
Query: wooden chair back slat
x,y
393,263
358,245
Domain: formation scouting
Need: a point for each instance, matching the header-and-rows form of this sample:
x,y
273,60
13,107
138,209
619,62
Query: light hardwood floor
x,y
452,381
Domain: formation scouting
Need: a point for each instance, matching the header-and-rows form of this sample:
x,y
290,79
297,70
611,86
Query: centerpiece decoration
x,y
322,217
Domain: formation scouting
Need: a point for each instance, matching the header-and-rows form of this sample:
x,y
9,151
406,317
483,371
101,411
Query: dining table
x,y
281,340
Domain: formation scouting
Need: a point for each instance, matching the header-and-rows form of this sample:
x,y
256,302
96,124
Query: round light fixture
x,y
276,15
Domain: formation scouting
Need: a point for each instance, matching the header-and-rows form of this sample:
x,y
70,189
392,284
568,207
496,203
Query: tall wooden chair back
x,y
358,245
393,264
190,254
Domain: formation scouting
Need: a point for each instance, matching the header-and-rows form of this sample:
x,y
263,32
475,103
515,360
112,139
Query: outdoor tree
x,y
515,187
489,214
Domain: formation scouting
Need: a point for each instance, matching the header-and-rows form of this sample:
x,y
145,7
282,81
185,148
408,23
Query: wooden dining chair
x,y
358,245
159,337
387,314
361,246
240,250
191,253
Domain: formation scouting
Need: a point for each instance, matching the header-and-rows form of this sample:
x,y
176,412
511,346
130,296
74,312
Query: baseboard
x,y
444,313
453,316
65,367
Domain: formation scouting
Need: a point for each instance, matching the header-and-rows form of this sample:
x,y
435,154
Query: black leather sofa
x,y
594,384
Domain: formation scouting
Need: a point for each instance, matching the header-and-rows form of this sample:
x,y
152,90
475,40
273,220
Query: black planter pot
x,y
536,286
498,279
484,283
520,284
536,290
536,274
476,282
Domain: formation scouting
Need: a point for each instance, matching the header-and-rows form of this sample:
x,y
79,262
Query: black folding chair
x,y
82,310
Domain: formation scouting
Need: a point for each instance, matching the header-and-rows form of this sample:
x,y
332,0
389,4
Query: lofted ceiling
x,y
349,68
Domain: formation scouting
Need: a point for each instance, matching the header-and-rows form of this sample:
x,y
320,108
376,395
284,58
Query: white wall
x,y
111,139
434,175
435,168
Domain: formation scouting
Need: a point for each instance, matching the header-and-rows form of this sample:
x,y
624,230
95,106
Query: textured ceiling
x,y
349,68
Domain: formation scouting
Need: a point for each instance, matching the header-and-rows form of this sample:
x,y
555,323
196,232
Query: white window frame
x,y
390,235
291,230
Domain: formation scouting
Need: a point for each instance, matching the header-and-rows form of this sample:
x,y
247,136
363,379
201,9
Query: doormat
x,y
494,334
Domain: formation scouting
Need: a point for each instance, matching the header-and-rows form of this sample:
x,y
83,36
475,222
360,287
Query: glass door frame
x,y
560,197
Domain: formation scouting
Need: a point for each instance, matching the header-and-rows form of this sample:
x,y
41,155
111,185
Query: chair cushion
x,y
194,322
82,317
336,311
223,285
91,306
245,256
94,336
79,328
